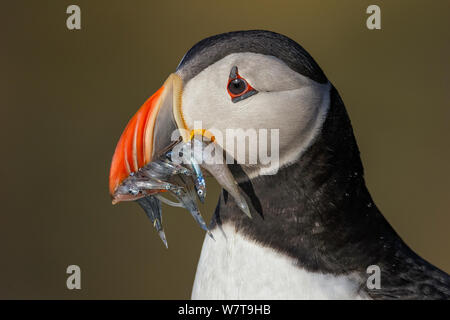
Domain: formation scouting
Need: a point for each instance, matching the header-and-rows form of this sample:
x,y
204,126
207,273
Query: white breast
x,y
235,267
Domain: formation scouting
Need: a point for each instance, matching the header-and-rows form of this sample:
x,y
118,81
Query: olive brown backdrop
x,y
65,97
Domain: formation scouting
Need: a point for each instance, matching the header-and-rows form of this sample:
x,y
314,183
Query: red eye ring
x,y
238,88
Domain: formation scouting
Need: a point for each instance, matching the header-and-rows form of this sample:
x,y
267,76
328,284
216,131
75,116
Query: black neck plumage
x,y
317,210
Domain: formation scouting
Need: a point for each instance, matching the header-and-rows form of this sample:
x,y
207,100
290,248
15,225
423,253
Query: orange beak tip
x,y
136,145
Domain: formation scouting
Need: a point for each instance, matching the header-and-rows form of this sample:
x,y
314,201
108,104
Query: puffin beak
x,y
154,127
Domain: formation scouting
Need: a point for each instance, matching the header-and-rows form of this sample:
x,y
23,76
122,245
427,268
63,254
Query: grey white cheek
x,y
297,110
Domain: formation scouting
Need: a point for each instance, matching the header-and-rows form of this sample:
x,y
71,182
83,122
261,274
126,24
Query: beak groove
x,y
148,132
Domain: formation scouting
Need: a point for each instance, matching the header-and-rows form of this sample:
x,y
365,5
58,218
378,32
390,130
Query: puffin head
x,y
245,80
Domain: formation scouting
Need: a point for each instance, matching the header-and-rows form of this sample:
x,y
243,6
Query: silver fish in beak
x,y
142,168
152,207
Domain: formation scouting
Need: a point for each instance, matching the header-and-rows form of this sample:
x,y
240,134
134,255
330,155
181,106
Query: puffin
x,y
315,232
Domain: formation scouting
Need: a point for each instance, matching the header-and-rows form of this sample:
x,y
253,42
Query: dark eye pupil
x,y
237,86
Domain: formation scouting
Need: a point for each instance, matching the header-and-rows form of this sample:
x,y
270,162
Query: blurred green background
x,y
67,95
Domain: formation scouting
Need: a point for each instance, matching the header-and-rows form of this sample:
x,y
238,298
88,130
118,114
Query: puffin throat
x,y
317,210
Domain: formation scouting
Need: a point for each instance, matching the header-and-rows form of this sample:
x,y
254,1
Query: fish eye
x,y
133,191
200,192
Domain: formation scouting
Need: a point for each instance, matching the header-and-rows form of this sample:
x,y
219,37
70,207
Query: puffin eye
x,y
238,88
